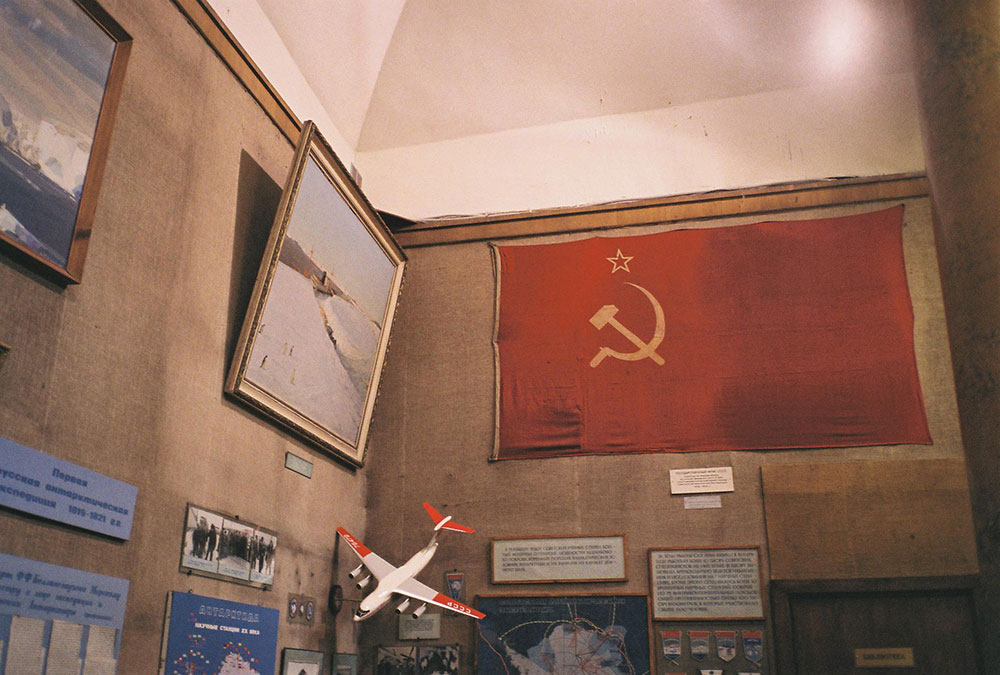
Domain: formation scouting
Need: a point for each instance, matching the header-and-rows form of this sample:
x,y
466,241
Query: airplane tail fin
x,y
445,522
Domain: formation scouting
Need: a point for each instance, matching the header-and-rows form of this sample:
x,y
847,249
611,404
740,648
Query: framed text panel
x,y
706,584
558,559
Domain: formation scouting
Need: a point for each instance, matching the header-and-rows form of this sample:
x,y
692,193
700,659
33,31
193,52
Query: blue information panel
x,y
208,635
43,591
37,483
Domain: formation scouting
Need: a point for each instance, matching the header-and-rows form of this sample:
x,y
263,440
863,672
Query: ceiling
x,y
397,73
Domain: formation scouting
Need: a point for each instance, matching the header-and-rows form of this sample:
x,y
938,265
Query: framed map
x,y
525,634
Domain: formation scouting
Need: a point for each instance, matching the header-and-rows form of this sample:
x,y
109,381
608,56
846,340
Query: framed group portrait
x,y
63,69
220,546
313,343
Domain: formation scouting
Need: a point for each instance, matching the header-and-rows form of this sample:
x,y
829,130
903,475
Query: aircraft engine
x,y
355,572
418,611
364,582
402,606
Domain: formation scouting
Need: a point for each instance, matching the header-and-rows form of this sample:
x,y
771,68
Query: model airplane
x,y
399,580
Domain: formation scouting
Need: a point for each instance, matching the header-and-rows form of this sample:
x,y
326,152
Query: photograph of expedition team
x,y
216,544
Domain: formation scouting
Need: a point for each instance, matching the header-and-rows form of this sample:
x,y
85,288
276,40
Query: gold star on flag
x,y
620,262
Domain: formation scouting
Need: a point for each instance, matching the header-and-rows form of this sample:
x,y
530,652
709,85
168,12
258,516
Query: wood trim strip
x,y
749,201
236,58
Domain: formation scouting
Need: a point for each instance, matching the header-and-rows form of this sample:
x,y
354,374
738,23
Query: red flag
x,y
790,334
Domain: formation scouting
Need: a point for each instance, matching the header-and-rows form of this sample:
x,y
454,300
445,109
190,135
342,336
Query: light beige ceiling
x,y
395,73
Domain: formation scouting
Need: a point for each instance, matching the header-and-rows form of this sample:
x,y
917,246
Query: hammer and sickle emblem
x,y
605,316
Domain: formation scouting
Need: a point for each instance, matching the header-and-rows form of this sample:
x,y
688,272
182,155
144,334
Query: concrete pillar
x,y
958,67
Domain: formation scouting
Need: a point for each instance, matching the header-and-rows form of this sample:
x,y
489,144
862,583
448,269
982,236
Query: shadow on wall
x,y
257,199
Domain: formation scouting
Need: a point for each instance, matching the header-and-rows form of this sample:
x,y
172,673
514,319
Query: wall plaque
x,y
426,627
706,583
884,657
40,484
707,479
42,591
558,559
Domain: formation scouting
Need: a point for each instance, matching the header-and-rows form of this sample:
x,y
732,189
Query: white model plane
x,y
399,580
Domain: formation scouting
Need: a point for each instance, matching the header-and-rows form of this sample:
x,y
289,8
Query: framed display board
x,y
206,634
705,583
565,559
223,547
609,634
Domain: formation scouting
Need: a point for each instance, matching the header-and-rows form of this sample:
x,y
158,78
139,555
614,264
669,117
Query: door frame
x,y
782,592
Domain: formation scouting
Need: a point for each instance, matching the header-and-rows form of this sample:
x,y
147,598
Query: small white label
x,y
426,627
708,479
703,502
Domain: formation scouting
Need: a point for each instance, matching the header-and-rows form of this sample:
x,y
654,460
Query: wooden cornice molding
x,y
222,41
748,201
441,231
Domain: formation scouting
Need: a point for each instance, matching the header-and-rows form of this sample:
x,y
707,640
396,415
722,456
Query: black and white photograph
x,y
234,549
396,661
202,533
438,660
263,546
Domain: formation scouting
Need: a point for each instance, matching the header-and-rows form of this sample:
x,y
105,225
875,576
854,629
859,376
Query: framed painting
x,y
313,342
564,633
301,662
63,64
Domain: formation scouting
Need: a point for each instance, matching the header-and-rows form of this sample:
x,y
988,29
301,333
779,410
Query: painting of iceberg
x,y
313,349
56,61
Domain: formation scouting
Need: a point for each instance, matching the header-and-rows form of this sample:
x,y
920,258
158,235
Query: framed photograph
x,y
223,547
609,634
558,559
262,548
395,660
437,660
301,662
344,664
718,584
313,342
202,531
63,68
234,549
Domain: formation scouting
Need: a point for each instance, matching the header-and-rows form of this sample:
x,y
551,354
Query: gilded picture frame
x,y
64,66
314,339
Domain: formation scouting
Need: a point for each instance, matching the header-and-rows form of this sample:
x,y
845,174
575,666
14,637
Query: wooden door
x,y
881,633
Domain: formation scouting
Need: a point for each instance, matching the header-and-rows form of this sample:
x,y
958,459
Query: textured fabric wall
x,y
123,374
435,436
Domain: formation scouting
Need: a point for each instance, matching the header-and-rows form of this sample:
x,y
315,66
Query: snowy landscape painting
x,y
314,340
57,64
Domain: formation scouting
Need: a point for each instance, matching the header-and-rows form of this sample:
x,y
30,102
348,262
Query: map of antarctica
x,y
566,635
